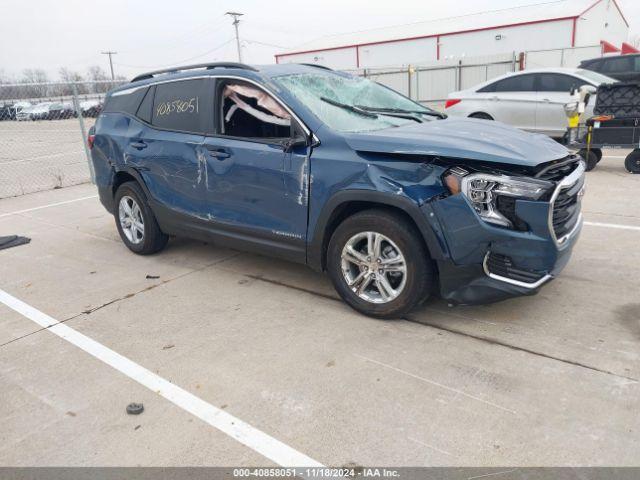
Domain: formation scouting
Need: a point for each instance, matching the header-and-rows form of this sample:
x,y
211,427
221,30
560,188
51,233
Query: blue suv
x,y
394,200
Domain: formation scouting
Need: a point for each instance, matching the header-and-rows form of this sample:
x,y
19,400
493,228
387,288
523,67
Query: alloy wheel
x,y
131,220
374,267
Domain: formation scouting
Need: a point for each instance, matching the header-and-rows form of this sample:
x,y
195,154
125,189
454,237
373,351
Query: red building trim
x,y
420,37
614,3
620,12
608,47
628,48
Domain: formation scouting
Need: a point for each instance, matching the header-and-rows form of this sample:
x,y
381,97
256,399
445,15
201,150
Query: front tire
x,y
379,265
136,222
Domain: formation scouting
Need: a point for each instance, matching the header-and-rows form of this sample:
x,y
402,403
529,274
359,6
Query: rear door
x,y
553,92
169,151
256,187
513,101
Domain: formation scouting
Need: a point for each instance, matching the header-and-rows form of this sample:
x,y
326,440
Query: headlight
x,y
493,196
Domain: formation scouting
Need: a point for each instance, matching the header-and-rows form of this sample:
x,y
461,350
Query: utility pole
x,y
236,21
110,53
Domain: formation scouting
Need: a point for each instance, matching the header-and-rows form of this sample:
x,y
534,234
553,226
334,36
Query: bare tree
x,y
99,76
35,80
69,77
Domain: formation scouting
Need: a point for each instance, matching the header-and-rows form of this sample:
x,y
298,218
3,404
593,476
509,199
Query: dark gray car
x,y
625,68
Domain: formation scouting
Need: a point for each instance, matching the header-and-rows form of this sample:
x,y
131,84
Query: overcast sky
x,y
158,33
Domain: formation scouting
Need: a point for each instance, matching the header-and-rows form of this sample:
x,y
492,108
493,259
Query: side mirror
x,y
297,141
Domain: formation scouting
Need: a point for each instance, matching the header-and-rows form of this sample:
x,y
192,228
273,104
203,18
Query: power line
x,y
110,53
180,40
236,22
264,43
178,61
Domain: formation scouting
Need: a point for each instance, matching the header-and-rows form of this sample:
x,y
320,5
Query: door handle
x,y
546,100
219,154
138,145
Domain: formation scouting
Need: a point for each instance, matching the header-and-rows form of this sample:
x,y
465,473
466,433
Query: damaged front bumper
x,y
483,263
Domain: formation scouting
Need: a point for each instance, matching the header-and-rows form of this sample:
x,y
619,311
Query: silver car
x,y
532,100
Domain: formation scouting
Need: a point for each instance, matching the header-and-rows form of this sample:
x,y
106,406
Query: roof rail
x,y
207,66
317,66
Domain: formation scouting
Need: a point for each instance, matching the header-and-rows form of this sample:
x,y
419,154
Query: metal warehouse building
x,y
550,25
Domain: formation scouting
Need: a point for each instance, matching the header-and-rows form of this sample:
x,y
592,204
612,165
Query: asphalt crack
x,y
124,297
494,341
454,331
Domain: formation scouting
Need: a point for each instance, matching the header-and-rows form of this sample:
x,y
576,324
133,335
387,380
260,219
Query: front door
x,y
257,181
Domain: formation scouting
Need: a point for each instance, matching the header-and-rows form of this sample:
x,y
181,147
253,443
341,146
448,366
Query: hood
x,y
464,138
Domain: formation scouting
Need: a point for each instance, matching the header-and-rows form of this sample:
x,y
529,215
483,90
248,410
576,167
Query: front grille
x,y
503,266
566,209
559,169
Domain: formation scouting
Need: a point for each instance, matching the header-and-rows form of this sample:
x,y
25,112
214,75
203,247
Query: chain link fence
x,y
43,134
430,83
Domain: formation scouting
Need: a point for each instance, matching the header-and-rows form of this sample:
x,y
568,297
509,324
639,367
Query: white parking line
x,y
255,439
47,206
612,225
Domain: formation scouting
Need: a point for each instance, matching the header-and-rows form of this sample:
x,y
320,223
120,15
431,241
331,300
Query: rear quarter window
x,y
125,101
183,106
145,110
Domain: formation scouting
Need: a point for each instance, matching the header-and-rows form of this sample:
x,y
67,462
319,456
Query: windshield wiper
x,y
401,110
392,112
350,108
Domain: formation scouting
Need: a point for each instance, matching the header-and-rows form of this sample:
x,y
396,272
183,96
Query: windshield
x,y
353,104
596,77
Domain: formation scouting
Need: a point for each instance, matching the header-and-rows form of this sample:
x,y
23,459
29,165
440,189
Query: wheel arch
x,y
346,203
128,175
480,112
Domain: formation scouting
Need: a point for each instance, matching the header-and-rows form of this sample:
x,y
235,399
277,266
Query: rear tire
x,y
481,116
590,158
632,162
136,222
392,262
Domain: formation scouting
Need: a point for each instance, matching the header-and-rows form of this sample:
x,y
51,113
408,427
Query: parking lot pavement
x,y
551,379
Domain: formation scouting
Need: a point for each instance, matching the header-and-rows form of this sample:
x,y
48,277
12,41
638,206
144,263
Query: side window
x,y
517,83
247,111
617,64
637,64
182,106
553,82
